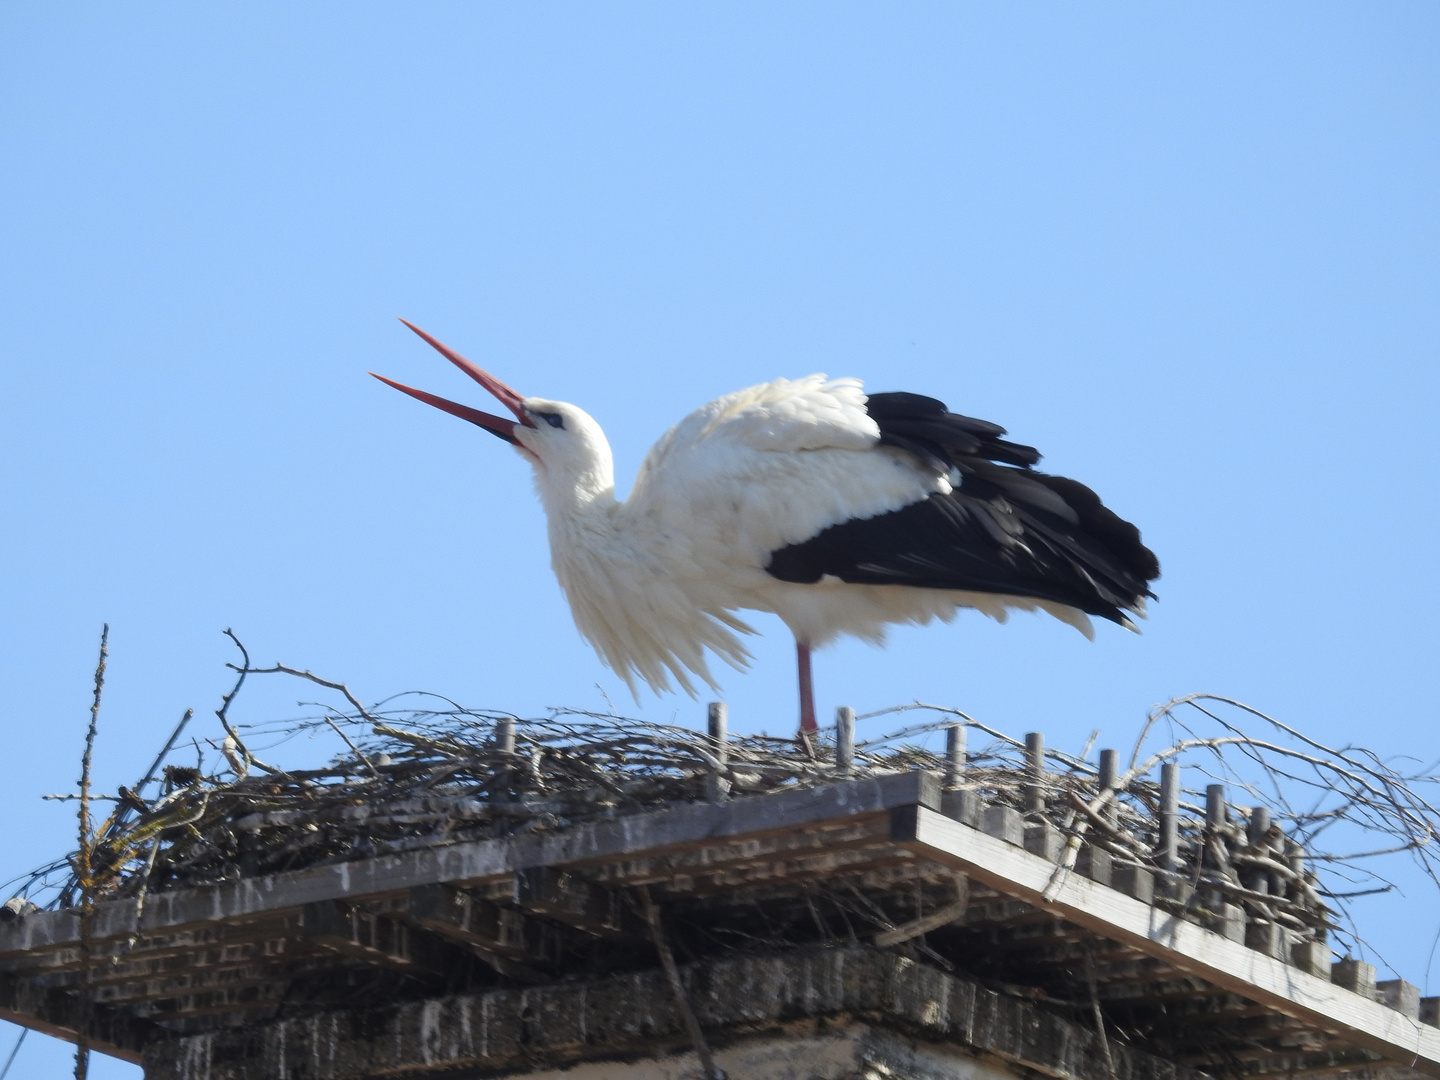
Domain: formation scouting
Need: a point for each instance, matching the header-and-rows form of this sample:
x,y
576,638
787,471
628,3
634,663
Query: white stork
x,y
838,512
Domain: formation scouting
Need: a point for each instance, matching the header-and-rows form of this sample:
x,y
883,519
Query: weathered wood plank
x,y
790,872
380,940
673,871
1181,944
575,901
462,916
228,958
215,945
54,1012
509,941
655,832
565,1023
203,980
258,1001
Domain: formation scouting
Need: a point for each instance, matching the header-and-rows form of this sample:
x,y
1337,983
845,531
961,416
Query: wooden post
x,y
1259,825
1169,851
1110,778
1216,814
845,738
1035,766
1255,832
1295,857
1276,848
505,743
717,787
954,755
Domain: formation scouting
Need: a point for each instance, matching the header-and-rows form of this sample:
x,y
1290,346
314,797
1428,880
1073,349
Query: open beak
x,y
496,425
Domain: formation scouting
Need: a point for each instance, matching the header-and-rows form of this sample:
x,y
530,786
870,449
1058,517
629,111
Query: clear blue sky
x,y
1189,251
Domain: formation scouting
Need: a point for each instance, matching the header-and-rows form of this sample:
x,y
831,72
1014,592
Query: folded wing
x,y
1001,527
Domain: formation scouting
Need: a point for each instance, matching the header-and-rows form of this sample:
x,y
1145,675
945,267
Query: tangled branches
x,y
419,770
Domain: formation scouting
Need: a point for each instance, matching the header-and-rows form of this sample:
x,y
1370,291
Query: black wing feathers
x,y
1003,529
924,426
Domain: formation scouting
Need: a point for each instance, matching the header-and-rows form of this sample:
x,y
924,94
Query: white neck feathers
x,y
627,602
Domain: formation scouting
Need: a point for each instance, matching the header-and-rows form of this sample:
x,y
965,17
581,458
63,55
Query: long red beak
x,y
496,425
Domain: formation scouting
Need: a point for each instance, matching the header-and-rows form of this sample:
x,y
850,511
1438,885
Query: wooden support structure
x,y
672,830
1183,945
505,743
461,915
511,942
1035,767
1256,831
377,939
574,901
918,859
954,755
1169,848
505,734
844,739
55,1012
717,720
970,1029
1109,780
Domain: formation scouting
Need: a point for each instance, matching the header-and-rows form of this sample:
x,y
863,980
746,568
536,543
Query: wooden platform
x,y
880,862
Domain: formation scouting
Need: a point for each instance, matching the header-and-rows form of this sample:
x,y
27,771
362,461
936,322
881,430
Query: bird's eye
x,y
552,418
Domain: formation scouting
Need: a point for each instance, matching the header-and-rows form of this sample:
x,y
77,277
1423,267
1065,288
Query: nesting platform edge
x,y
508,1030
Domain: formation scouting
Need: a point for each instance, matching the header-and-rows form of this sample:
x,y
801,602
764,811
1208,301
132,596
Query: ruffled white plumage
x,y
654,582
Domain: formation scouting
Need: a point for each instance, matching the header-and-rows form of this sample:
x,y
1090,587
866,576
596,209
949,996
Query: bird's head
x,y
563,443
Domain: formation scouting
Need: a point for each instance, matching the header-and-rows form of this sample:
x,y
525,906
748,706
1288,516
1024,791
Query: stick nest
x,y
420,771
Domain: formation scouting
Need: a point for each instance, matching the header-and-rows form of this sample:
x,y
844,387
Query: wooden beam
x,y
552,1028
216,962
379,940
577,902
1249,1063
675,871
953,912
868,878
204,980
1167,937
671,829
460,915
54,1012
508,940
250,999
176,951
791,871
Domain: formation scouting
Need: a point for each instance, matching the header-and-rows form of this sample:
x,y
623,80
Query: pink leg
x,y
807,690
